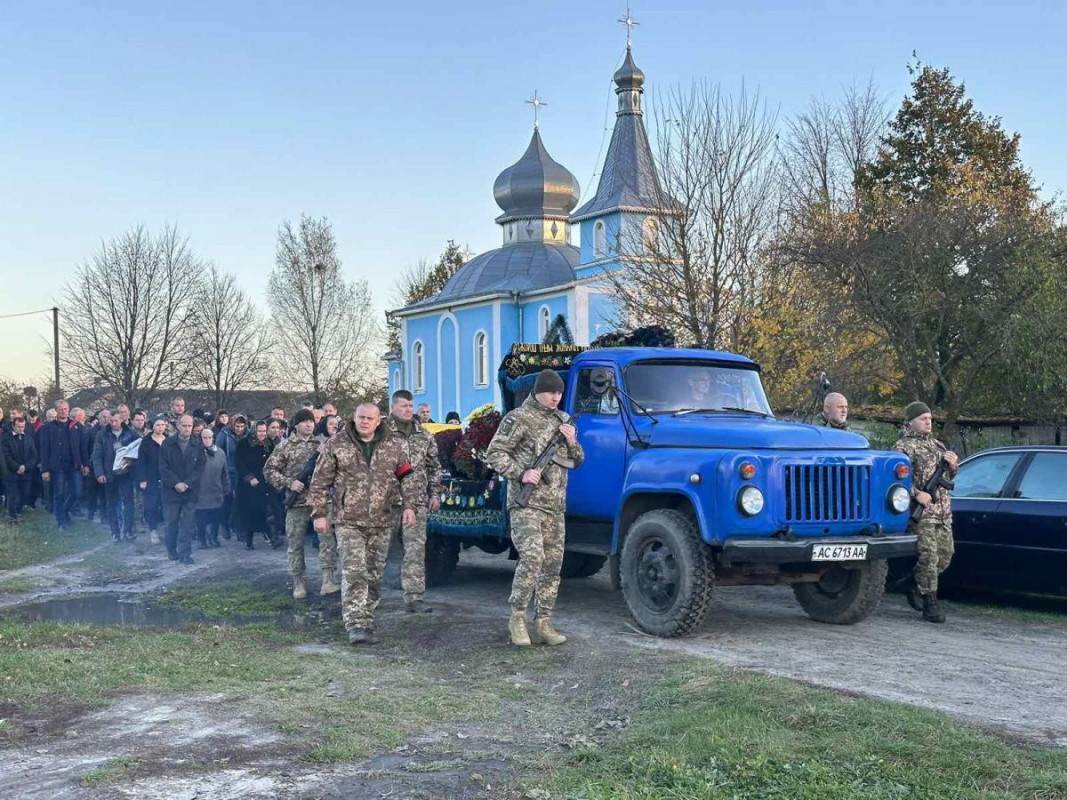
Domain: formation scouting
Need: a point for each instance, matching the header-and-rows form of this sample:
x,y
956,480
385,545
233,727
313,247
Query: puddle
x,y
116,609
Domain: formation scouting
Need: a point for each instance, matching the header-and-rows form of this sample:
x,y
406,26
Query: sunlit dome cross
x,y
536,102
630,23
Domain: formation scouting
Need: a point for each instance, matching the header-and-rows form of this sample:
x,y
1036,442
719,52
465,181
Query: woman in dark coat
x,y
147,475
253,492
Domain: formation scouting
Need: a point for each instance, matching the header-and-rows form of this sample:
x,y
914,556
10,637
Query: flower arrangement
x,y
447,441
467,459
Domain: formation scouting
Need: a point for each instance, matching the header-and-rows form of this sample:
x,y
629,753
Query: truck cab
x,y
689,482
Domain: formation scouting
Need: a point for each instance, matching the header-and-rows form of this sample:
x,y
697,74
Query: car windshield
x,y
695,387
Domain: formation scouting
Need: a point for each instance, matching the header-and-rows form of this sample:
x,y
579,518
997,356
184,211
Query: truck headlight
x,y
750,500
899,499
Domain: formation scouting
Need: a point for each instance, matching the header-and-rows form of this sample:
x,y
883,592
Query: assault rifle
x,y
304,477
549,456
937,481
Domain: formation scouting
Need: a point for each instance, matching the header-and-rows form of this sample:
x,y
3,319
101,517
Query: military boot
x,y
418,607
299,589
361,636
545,634
931,612
914,596
328,586
517,628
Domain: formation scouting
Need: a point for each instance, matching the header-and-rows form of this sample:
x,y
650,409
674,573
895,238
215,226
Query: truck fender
x,y
638,499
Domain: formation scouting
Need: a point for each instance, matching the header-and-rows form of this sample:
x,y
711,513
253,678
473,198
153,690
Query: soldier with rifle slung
x,y
933,466
537,528
288,468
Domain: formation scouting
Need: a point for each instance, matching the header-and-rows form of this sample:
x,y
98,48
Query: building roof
x,y
535,186
628,181
523,267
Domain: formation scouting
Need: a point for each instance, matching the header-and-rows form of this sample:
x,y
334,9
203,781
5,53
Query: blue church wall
x,y
473,321
603,314
450,349
587,248
531,315
424,330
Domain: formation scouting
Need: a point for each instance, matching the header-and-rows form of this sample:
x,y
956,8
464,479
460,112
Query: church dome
x,y
629,75
535,186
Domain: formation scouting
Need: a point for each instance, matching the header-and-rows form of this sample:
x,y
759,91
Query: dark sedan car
x,y
1009,518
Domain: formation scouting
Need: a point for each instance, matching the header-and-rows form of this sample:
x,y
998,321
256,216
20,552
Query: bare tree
x,y
325,325
696,268
232,342
127,321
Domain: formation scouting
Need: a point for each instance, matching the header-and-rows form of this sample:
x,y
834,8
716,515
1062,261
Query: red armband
x,y
404,470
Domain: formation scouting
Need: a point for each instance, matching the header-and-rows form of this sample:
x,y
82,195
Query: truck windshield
x,y
694,387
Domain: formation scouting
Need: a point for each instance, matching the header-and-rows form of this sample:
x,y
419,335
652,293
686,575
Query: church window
x,y
481,359
650,236
600,240
544,322
418,366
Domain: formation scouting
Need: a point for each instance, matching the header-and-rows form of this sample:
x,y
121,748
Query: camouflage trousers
x,y
296,526
935,552
413,571
363,553
538,536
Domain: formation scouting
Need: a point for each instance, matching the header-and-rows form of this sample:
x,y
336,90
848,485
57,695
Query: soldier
x,y
421,450
537,531
177,408
834,412
366,473
282,471
934,527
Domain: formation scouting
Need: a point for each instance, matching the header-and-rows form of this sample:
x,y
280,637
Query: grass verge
x,y
17,585
38,540
712,732
224,599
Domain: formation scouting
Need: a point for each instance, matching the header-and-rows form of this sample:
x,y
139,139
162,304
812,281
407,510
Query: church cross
x,y
536,102
629,22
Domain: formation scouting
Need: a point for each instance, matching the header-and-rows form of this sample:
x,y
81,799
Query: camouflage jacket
x,y
421,450
364,495
925,453
822,422
284,465
172,423
522,436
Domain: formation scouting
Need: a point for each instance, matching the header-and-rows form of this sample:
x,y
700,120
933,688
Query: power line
x,y
27,313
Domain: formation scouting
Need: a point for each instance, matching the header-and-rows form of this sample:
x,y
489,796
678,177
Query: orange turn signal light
x,y
902,471
748,470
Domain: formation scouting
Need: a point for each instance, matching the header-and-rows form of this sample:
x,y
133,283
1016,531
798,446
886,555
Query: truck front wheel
x,y
666,573
843,596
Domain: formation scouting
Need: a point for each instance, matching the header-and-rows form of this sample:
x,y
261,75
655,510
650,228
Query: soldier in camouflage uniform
x,y
537,531
366,472
177,409
834,412
934,527
421,450
281,471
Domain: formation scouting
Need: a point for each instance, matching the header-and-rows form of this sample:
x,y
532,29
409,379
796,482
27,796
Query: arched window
x,y
481,359
650,235
544,322
418,366
600,239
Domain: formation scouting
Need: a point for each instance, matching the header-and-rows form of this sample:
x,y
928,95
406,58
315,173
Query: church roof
x,y
628,181
523,267
535,186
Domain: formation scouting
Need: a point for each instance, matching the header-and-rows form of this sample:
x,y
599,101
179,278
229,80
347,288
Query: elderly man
x,y
834,412
181,460
934,527
372,475
425,413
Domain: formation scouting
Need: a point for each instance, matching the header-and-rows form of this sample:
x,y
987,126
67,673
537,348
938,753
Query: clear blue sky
x,y
393,119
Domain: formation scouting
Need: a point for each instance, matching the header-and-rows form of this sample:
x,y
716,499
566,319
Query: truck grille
x,y
827,492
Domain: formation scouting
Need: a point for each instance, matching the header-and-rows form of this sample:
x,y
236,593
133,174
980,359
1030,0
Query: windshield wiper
x,y
681,412
749,411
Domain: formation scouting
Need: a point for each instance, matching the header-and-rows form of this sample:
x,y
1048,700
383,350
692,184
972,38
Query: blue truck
x,y
690,482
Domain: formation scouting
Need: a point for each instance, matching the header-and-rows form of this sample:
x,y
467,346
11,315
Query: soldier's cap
x,y
548,381
304,415
916,409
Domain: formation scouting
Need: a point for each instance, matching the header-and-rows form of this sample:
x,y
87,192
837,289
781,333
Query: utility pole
x,y
55,343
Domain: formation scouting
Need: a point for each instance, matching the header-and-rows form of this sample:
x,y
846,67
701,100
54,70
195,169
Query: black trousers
x,y
17,489
118,492
180,515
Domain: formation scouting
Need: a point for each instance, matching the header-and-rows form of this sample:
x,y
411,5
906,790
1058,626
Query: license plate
x,y
839,552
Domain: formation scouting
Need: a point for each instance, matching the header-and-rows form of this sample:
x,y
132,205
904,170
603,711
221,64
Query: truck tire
x,y
844,596
442,555
581,565
666,573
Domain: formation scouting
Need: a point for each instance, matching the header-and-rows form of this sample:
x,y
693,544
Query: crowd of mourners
x,y
66,462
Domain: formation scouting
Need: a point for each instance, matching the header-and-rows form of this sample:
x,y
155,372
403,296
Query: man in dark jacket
x,y
227,439
61,464
180,463
118,486
19,455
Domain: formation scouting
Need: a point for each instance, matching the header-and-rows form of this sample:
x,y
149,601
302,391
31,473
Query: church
x,y
453,342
